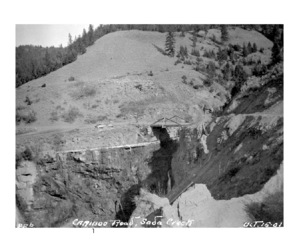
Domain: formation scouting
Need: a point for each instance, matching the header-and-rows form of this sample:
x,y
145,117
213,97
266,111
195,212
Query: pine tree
x,y
245,50
249,47
47,61
80,46
70,40
224,33
85,39
227,71
205,28
194,40
90,35
170,44
254,48
277,55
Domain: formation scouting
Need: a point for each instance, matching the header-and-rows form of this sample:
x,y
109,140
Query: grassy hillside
x,y
123,75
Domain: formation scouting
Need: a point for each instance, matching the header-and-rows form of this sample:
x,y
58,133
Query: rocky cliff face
x,y
53,190
245,144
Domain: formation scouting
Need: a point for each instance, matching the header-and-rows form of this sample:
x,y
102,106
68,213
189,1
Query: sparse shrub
x,y
71,79
119,115
222,55
89,91
199,60
260,70
25,114
196,87
200,68
139,87
209,54
211,68
58,141
115,101
71,114
31,153
94,106
195,52
237,47
150,73
208,82
26,155
84,91
94,119
54,116
188,62
177,62
184,79
28,101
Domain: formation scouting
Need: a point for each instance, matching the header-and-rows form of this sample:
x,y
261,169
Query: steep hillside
x,y
116,71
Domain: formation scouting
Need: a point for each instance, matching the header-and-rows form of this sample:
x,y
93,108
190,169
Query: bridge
x,y
170,122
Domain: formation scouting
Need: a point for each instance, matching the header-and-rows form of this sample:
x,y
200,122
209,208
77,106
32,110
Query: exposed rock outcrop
x,y
56,189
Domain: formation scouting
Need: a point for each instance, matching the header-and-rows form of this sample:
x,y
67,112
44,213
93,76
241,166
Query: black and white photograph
x,y
149,125
156,124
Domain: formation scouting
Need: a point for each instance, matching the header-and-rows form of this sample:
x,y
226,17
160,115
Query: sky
x,y
48,35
